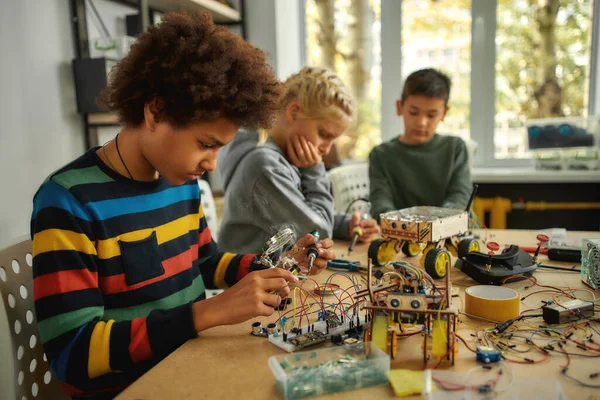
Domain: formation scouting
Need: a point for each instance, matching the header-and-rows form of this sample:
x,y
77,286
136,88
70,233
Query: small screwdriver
x,y
312,252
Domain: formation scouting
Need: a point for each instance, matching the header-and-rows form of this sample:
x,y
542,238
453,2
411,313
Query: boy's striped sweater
x,y
117,265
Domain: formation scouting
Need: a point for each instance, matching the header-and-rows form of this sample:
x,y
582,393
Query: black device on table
x,y
490,269
564,254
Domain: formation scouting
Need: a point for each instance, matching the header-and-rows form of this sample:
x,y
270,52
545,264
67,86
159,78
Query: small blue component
x,y
487,355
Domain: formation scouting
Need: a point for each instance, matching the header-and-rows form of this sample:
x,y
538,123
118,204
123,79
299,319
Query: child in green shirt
x,y
420,167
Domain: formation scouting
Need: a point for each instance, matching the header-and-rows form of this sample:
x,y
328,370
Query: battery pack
x,y
571,310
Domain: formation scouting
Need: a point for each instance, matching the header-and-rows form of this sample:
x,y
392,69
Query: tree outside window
x,y
344,35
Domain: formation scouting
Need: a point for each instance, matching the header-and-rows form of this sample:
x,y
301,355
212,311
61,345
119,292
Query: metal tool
x,y
312,252
346,265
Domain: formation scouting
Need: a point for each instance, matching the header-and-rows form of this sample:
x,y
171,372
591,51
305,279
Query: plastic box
x,y
330,370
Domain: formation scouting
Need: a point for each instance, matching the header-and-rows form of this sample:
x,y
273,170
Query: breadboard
x,y
321,326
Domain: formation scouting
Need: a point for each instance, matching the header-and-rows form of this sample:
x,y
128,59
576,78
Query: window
x,y
440,29
542,67
345,35
490,49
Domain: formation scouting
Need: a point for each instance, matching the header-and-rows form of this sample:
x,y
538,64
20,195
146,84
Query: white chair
x,y
33,378
348,183
210,208
471,150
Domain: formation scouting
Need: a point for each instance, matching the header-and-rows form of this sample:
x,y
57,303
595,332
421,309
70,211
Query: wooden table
x,y
227,362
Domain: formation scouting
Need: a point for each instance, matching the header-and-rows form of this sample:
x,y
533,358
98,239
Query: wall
x,y
40,128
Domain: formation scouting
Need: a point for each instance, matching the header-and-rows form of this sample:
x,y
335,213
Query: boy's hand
x,y
249,298
326,253
369,227
302,153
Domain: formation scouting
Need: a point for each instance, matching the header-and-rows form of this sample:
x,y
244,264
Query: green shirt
x,y
435,173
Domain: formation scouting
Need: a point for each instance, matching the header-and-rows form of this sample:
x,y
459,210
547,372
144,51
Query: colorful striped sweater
x,y
117,265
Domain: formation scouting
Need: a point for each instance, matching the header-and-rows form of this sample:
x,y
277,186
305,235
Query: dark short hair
x,y
427,82
194,71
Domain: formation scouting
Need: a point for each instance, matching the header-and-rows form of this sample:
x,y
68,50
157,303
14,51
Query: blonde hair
x,y
320,93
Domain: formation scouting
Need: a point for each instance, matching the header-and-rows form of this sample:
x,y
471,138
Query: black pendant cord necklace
x,y
121,157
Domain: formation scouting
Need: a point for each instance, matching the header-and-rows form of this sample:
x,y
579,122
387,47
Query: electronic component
x,y
351,340
394,301
321,331
308,339
564,254
486,354
590,262
258,330
406,301
571,310
271,329
334,321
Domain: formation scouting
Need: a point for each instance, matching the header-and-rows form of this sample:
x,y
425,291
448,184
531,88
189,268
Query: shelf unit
x,y
102,119
221,13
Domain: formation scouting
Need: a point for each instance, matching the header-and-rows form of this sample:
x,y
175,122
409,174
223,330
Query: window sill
x,y
529,175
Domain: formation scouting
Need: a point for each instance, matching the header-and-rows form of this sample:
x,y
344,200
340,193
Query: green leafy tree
x,y
542,57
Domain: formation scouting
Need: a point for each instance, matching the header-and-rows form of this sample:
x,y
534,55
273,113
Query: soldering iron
x,y
356,233
357,230
312,252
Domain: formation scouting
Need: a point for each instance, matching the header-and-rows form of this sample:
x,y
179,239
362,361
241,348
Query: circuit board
x,y
320,333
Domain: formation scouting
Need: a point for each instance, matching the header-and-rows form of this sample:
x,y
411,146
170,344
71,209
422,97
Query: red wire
x,y
570,328
539,291
537,284
545,353
465,343
568,358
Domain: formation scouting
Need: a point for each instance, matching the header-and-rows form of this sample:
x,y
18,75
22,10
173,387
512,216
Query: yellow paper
x,y
406,382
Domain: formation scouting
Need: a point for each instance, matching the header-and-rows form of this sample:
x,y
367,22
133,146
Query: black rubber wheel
x,y
437,263
406,250
466,246
373,252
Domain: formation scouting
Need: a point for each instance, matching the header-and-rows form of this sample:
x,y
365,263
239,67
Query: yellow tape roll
x,y
492,302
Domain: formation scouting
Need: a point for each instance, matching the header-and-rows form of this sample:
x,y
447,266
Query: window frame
x,y
483,76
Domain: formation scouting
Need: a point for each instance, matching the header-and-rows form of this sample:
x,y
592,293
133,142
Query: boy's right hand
x,y
249,298
302,153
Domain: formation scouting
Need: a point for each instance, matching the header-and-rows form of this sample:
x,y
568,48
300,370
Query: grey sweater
x,y
435,173
264,192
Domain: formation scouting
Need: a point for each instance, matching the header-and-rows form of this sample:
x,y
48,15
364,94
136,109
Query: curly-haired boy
x,y
122,251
